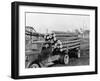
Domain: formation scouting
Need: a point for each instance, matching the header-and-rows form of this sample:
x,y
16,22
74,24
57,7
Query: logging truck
x,y
57,47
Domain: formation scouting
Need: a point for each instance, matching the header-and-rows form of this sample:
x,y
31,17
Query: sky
x,y
57,22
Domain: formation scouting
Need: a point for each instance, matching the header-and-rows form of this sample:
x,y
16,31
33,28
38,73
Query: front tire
x,y
34,65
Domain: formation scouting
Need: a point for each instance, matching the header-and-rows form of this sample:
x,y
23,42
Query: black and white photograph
x,y
56,39
51,40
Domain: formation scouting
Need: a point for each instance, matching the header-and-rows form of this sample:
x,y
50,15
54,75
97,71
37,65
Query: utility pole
x,y
47,31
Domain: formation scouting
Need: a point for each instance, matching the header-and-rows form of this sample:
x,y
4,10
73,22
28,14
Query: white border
x,y
53,70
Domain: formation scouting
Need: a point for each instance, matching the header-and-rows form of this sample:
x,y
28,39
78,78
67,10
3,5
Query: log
x,y
66,35
71,47
70,41
76,46
67,38
71,44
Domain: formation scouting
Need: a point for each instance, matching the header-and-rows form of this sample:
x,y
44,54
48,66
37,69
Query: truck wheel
x,y
34,65
78,54
64,59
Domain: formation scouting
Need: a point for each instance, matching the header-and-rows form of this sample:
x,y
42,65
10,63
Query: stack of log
x,y
69,40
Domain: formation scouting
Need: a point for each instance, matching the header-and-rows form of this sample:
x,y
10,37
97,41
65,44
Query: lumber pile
x,y
69,40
